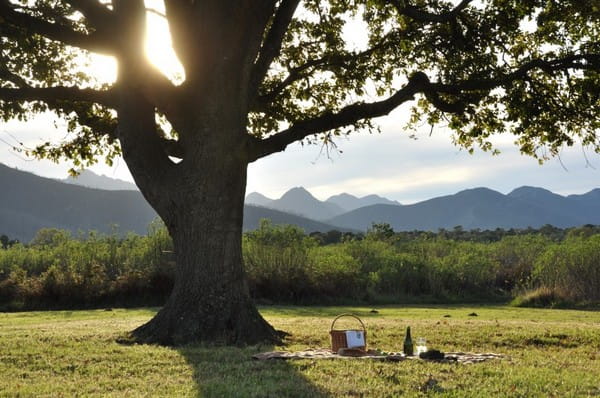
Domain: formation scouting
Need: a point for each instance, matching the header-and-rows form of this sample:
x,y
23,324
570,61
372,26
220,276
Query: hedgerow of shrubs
x,y
57,270
545,267
571,269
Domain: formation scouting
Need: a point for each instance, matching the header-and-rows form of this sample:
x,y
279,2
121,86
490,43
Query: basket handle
x,y
351,315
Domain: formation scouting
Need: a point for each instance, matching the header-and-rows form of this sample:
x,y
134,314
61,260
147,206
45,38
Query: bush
x,y
276,261
59,270
542,297
334,273
572,267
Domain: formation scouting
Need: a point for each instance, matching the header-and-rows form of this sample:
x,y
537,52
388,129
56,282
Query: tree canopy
x,y
481,67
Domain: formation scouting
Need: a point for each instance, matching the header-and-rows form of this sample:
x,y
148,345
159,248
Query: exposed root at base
x,y
156,331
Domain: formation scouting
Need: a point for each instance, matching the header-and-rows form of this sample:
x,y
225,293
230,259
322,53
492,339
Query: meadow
x,y
549,353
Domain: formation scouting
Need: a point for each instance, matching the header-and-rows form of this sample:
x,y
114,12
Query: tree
x,y
4,241
380,231
51,237
262,74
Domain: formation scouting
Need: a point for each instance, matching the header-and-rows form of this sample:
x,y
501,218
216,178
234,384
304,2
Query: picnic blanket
x,y
323,353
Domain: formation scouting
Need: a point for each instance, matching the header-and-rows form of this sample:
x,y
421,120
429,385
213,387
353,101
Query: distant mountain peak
x,y
343,195
298,192
256,198
350,202
257,195
299,201
594,194
478,190
528,190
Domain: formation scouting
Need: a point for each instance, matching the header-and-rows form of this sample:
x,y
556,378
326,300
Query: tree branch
x,y
100,126
420,15
7,75
97,13
56,99
50,94
297,73
272,44
418,83
590,61
344,117
94,42
156,12
164,95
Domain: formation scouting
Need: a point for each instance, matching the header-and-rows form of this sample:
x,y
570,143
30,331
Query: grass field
x,y
551,353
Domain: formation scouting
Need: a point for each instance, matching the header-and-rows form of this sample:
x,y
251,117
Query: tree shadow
x,y
231,372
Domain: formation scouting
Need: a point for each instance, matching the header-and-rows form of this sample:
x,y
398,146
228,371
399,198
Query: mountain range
x,y
29,203
299,201
482,208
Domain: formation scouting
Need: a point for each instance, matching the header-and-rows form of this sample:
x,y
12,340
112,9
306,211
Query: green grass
x,y
75,353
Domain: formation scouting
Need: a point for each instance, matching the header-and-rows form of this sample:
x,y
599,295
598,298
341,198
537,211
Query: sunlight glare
x,y
158,46
102,68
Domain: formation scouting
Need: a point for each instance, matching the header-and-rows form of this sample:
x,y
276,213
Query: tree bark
x,y
210,301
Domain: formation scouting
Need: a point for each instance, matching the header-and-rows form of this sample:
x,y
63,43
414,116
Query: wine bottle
x,y
408,344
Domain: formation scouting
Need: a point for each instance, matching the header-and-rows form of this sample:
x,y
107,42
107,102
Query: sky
x,y
389,164
395,166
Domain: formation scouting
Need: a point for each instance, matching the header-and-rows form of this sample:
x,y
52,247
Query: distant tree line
x,y
384,230
545,267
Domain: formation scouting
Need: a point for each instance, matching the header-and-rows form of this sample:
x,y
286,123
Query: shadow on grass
x,y
231,372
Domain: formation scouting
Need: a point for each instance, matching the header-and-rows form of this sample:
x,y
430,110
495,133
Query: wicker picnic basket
x,y
338,336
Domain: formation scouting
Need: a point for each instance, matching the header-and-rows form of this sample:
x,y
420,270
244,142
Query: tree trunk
x,y
201,198
210,300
